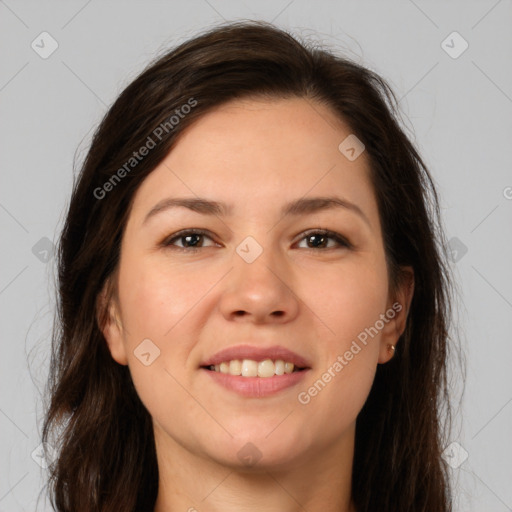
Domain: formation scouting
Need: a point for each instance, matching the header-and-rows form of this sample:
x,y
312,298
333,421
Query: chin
x,y
258,449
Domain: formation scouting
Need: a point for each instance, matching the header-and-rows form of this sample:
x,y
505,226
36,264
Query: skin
x,y
256,155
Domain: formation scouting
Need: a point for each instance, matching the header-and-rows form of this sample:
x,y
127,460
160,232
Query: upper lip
x,y
256,354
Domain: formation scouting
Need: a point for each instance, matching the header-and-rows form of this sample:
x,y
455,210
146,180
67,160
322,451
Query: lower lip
x,y
257,387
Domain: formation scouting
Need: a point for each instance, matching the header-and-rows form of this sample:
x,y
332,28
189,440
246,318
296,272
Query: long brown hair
x,y
102,433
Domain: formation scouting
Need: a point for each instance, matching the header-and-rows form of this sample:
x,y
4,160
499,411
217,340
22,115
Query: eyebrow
x,y
301,206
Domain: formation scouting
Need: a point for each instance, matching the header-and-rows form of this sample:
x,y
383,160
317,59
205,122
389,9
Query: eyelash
x,y
168,242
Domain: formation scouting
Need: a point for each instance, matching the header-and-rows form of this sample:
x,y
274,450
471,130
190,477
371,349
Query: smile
x,y
251,368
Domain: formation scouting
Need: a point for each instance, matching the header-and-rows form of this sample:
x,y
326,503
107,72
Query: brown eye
x,y
187,240
324,239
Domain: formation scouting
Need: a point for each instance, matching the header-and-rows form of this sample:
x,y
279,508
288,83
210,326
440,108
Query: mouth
x,y
252,368
256,372
255,361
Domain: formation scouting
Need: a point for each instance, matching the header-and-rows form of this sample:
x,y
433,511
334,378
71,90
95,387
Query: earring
x,y
391,348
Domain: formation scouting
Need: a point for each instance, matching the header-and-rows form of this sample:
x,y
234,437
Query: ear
x,y
396,314
109,322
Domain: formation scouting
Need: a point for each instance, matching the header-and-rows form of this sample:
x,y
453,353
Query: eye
x,y
319,239
191,239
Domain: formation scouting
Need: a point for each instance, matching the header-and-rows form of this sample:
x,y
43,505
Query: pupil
x,y
317,238
188,237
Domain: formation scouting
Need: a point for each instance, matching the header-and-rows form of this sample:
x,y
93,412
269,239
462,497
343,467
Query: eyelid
x,y
341,240
338,237
166,242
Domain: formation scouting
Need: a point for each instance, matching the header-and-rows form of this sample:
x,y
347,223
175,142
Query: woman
x,y
254,295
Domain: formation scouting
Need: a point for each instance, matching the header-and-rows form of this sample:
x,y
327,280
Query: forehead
x,y
257,154
272,132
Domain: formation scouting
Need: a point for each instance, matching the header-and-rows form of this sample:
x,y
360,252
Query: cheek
x,y
156,298
158,305
349,304
337,390
348,301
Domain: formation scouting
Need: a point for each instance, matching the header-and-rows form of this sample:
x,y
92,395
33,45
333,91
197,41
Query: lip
x,y
256,387
257,354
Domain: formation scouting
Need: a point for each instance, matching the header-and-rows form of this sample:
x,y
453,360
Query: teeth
x,y
235,367
266,368
250,368
288,367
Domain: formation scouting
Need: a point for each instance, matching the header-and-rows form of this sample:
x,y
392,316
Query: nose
x,y
259,292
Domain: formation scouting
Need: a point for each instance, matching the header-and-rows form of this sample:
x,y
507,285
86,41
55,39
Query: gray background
x,y
458,111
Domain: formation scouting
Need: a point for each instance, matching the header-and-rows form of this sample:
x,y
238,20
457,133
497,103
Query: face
x,y
270,274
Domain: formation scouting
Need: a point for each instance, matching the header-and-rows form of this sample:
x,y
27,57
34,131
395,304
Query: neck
x,y
318,481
